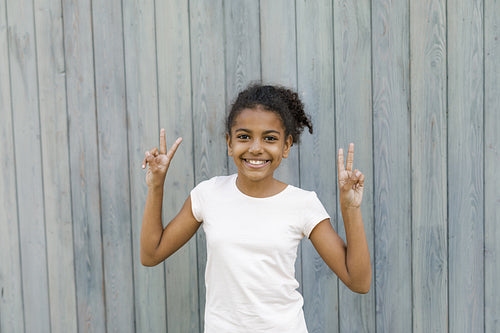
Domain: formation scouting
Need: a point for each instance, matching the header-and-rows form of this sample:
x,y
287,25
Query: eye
x,y
243,136
270,138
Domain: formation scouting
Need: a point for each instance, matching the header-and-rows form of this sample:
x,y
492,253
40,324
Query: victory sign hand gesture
x,y
159,161
350,182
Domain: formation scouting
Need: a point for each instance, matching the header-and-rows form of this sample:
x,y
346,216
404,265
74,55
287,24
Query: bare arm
x,y
350,262
158,243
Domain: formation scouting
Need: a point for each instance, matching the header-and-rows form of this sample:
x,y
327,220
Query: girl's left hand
x,y
350,182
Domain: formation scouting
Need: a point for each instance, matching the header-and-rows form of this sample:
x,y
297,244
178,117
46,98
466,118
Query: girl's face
x,y
257,144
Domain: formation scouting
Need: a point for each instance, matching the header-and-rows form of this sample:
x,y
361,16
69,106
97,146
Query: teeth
x,y
256,162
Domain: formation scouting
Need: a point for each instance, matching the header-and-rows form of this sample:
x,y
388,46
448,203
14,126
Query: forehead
x,y
258,119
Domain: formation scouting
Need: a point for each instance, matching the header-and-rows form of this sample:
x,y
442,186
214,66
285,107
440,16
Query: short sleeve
x,y
198,199
314,213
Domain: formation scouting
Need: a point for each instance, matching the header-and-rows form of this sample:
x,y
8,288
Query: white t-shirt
x,y
251,251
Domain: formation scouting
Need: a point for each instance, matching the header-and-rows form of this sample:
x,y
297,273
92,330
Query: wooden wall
x,y
85,86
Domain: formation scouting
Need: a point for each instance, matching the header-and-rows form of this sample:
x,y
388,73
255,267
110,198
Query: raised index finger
x,y
163,142
350,157
340,161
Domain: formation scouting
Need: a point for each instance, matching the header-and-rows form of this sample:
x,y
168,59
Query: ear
x,y
229,148
288,145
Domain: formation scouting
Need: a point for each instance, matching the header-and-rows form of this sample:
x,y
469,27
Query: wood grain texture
x,y
56,178
143,134
491,161
391,159
208,98
354,124
11,297
420,80
84,166
279,66
113,166
174,85
429,177
28,161
465,166
317,153
242,45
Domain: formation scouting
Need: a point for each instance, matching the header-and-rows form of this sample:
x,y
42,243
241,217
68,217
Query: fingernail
x,y
143,166
358,173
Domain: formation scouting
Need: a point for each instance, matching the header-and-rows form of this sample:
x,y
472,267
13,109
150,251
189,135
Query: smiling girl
x,y
254,222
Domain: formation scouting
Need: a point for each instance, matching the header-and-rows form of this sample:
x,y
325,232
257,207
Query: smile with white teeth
x,y
256,162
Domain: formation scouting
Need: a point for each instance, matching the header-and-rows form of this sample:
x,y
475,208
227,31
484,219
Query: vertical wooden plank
x,y
143,134
279,64
11,297
242,42
84,165
428,149
465,166
353,96
491,162
392,189
208,98
174,84
54,135
113,164
317,152
28,161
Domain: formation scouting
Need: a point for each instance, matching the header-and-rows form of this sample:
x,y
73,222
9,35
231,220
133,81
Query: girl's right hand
x,y
159,161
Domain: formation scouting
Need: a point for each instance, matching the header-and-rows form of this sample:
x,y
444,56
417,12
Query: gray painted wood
x,y
174,84
180,66
208,100
428,147
242,45
391,159
84,166
56,178
491,161
113,165
354,124
465,167
11,297
143,134
317,153
28,161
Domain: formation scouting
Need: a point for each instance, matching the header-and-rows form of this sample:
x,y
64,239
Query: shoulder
x,y
209,193
214,182
213,185
301,195
308,208
304,202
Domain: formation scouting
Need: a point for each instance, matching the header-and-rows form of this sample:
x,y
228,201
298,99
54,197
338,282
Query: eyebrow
x,y
249,131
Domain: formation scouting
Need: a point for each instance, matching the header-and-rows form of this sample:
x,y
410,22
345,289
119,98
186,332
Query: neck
x,y
260,189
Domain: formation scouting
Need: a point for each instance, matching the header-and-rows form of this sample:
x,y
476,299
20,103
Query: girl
x,y
254,223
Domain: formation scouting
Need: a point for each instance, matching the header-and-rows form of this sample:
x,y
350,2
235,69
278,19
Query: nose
x,y
255,147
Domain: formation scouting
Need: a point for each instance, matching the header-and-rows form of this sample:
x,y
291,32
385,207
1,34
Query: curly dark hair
x,y
283,101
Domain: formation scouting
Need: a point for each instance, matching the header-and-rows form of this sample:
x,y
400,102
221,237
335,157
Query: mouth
x,y
256,164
